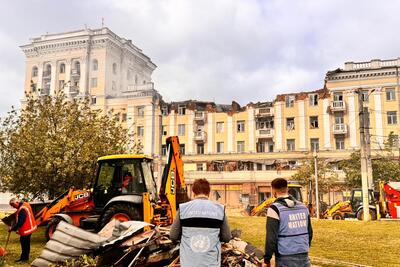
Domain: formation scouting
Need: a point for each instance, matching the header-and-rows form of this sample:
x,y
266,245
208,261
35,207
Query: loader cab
x,y
295,191
356,198
123,175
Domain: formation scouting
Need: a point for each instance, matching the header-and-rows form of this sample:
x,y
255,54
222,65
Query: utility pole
x,y
363,151
316,183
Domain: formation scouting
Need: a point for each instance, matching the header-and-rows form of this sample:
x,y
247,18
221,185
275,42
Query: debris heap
x,y
130,244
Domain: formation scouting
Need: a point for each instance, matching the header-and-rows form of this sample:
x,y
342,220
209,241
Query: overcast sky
x,y
214,50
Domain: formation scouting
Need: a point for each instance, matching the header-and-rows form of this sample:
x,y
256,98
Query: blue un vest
x,y
293,237
201,221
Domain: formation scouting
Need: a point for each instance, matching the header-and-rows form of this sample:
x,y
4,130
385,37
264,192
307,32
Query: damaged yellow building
x,y
240,149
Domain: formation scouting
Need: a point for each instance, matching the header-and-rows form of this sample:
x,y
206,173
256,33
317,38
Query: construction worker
x,y
25,225
200,225
289,231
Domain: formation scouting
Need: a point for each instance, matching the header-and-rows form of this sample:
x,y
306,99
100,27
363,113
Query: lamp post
x,y
316,182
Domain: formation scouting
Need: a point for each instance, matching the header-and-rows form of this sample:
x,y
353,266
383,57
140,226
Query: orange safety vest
x,y
29,226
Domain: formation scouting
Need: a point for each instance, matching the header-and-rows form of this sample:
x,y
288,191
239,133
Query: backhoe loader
x,y
261,209
123,189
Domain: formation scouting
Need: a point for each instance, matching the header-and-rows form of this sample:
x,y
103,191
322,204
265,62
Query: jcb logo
x,y
172,182
83,195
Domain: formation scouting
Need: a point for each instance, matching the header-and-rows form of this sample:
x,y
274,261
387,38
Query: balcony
x,y
75,72
339,128
200,136
338,105
265,112
73,89
265,133
46,75
199,116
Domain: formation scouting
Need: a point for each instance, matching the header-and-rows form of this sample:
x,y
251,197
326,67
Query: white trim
x,y
171,116
251,125
190,133
378,119
371,86
229,128
352,121
210,133
302,125
278,125
327,128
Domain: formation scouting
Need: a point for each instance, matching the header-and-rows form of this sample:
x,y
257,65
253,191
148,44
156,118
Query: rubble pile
x,y
132,244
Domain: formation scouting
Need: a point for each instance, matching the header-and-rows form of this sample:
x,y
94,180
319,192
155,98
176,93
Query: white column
x,y
148,129
53,77
190,132
83,78
251,126
172,116
327,124
378,117
67,76
40,76
302,125
352,120
210,133
278,125
229,128
130,121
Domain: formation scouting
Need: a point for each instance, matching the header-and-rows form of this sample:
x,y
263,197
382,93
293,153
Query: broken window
x,y
289,100
181,110
240,126
314,122
289,124
314,100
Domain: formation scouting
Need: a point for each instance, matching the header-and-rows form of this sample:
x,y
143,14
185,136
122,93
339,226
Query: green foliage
x,y
326,175
352,169
385,166
53,144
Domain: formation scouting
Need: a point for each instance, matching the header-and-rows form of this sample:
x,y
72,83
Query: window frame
x,y
392,117
220,129
220,147
290,127
313,100
181,129
290,144
314,141
314,124
140,131
240,146
241,126
289,101
390,94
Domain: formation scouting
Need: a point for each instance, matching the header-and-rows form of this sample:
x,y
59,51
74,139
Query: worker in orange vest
x,y
25,225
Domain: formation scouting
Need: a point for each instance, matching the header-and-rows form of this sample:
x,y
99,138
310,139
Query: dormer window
x,y
289,100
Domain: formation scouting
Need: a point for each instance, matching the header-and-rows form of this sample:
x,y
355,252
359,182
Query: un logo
x,y
200,243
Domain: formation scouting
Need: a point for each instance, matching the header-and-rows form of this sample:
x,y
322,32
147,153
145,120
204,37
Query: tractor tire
x,y
121,212
337,216
51,227
372,214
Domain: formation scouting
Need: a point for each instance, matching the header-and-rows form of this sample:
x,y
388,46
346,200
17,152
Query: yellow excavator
x,y
261,209
123,189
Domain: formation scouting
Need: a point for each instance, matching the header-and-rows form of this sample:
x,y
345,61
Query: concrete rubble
x,y
131,243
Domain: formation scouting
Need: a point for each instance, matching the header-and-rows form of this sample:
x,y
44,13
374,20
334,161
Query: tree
x,y
327,177
53,143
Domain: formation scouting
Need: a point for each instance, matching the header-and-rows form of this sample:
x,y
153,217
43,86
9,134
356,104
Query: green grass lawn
x,y
372,243
369,243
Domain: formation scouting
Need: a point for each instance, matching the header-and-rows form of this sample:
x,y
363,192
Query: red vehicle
x,y
389,200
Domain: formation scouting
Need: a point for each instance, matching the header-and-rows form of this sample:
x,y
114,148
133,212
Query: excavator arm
x,y
173,188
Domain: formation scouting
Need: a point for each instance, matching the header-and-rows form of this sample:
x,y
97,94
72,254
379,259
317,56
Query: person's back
x,y
289,231
200,225
201,220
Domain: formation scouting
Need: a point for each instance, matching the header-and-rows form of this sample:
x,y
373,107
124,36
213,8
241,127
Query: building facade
x,y
240,149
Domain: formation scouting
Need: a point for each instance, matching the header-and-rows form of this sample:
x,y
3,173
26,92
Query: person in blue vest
x,y
200,225
289,231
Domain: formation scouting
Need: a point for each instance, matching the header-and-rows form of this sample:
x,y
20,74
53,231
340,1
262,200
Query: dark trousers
x,y
299,260
25,246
